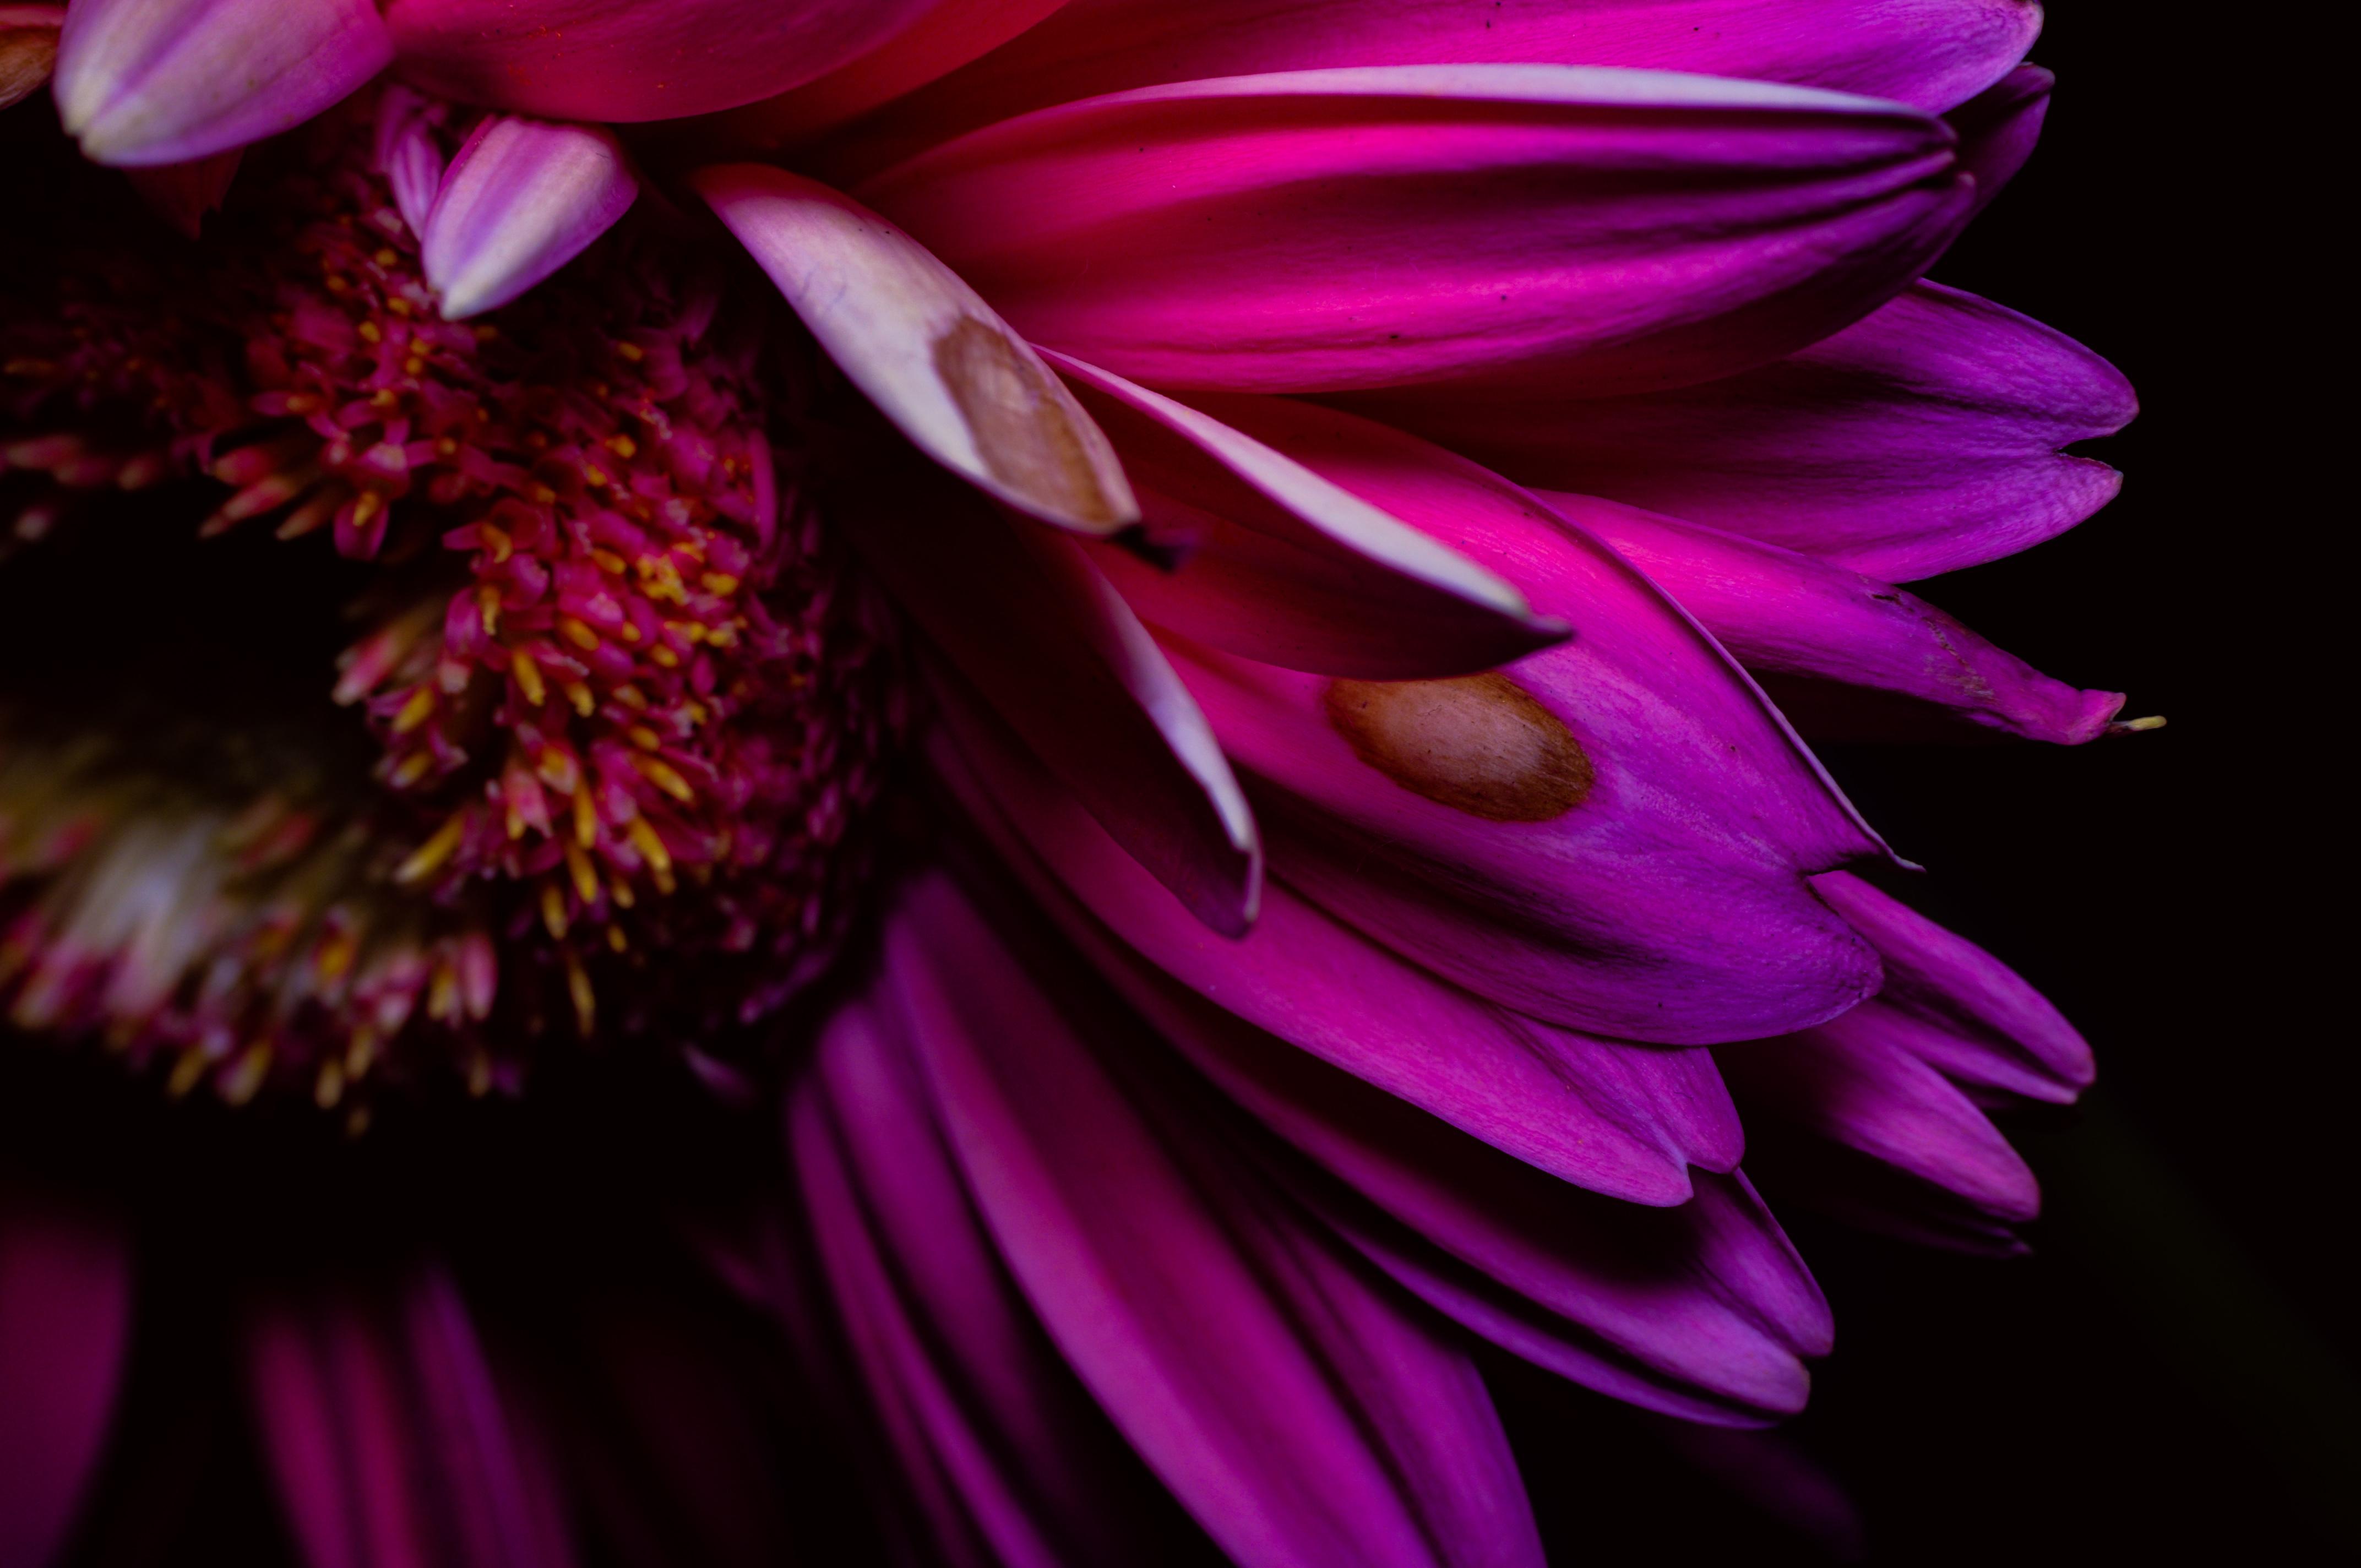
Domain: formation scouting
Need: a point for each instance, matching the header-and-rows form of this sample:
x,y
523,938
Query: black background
x,y
2168,1376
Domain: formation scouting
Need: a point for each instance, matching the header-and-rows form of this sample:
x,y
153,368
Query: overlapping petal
x,y
1925,438
29,48
521,200
147,81
65,1333
1999,126
1499,226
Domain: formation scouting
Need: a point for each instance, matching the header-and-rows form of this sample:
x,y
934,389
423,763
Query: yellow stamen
x,y
416,711
665,777
642,737
585,879
528,677
430,856
580,697
617,940
586,1003
585,817
721,583
329,1087
581,636
245,1076
659,858
412,768
553,911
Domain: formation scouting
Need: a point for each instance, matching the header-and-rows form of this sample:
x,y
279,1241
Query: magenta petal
x,y
409,153
1027,622
1927,438
596,59
1983,1024
145,82
1302,1414
1999,126
521,199
1283,566
65,1332
1788,614
1931,54
1499,226
183,194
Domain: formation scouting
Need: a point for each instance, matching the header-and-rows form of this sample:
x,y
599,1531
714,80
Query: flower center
x,y
459,685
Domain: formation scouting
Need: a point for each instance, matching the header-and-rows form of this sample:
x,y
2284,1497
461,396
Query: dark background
x,y
2169,1376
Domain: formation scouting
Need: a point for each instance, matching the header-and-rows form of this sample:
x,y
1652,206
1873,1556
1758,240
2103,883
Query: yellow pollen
x,y
645,738
721,583
607,562
631,351
630,696
431,856
187,1071
553,911
371,332
543,495
329,1087
528,677
579,695
515,822
399,306
578,634
245,1076
659,858
584,875
366,506
412,768
415,365
334,957
666,778
385,256
416,711
624,446
631,634
585,1002
664,657
595,478
622,894
616,939
487,604
585,817
498,541
443,994
556,770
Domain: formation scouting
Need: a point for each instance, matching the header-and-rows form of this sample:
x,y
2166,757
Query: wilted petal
x,y
409,153
65,1333
1500,226
1025,621
182,194
1931,54
29,48
144,82
1788,614
1283,566
595,60
1301,1413
1983,1025
1999,126
521,199
933,358
1927,438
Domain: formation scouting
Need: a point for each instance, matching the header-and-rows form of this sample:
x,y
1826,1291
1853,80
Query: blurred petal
x,y
1494,226
409,154
1300,1413
1786,613
1999,126
521,200
65,1333
182,194
595,60
1927,438
1028,624
1283,566
29,48
143,81
1930,54
931,356
1487,827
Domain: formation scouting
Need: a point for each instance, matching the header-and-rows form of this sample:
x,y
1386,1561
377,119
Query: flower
x,y
1176,676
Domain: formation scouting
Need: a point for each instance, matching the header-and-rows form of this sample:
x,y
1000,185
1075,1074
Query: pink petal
x,y
146,81
1931,54
1999,126
29,48
183,194
521,200
595,60
65,1334
1498,226
409,153
1026,622
1487,827
1927,438
1301,1413
1788,614
1287,567
1983,1025
928,353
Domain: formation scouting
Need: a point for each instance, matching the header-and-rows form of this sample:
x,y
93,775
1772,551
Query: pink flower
x,y
1198,715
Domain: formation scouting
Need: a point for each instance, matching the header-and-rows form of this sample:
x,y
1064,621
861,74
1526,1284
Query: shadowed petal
x,y
1283,566
1931,54
1925,438
521,200
1999,126
409,154
65,1330
1299,1412
29,48
1786,613
1496,227
1032,629
929,354
182,194
145,82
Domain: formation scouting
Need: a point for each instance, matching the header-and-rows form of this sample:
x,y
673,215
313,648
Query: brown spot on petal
x,y
27,54
1476,744
1034,438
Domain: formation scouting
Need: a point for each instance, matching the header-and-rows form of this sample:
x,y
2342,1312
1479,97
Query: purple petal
x,y
1303,1416
1927,438
1981,1023
65,1332
1781,612
1283,566
147,82
933,358
29,49
1999,126
1023,618
409,153
1498,226
1487,827
183,194
1931,54
521,199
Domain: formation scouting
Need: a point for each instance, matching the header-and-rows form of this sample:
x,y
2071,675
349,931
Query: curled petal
x,y
1925,438
1284,566
1492,227
521,199
1930,54
1999,126
65,1336
409,153
595,60
29,48
1784,613
147,82
1028,625
933,358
